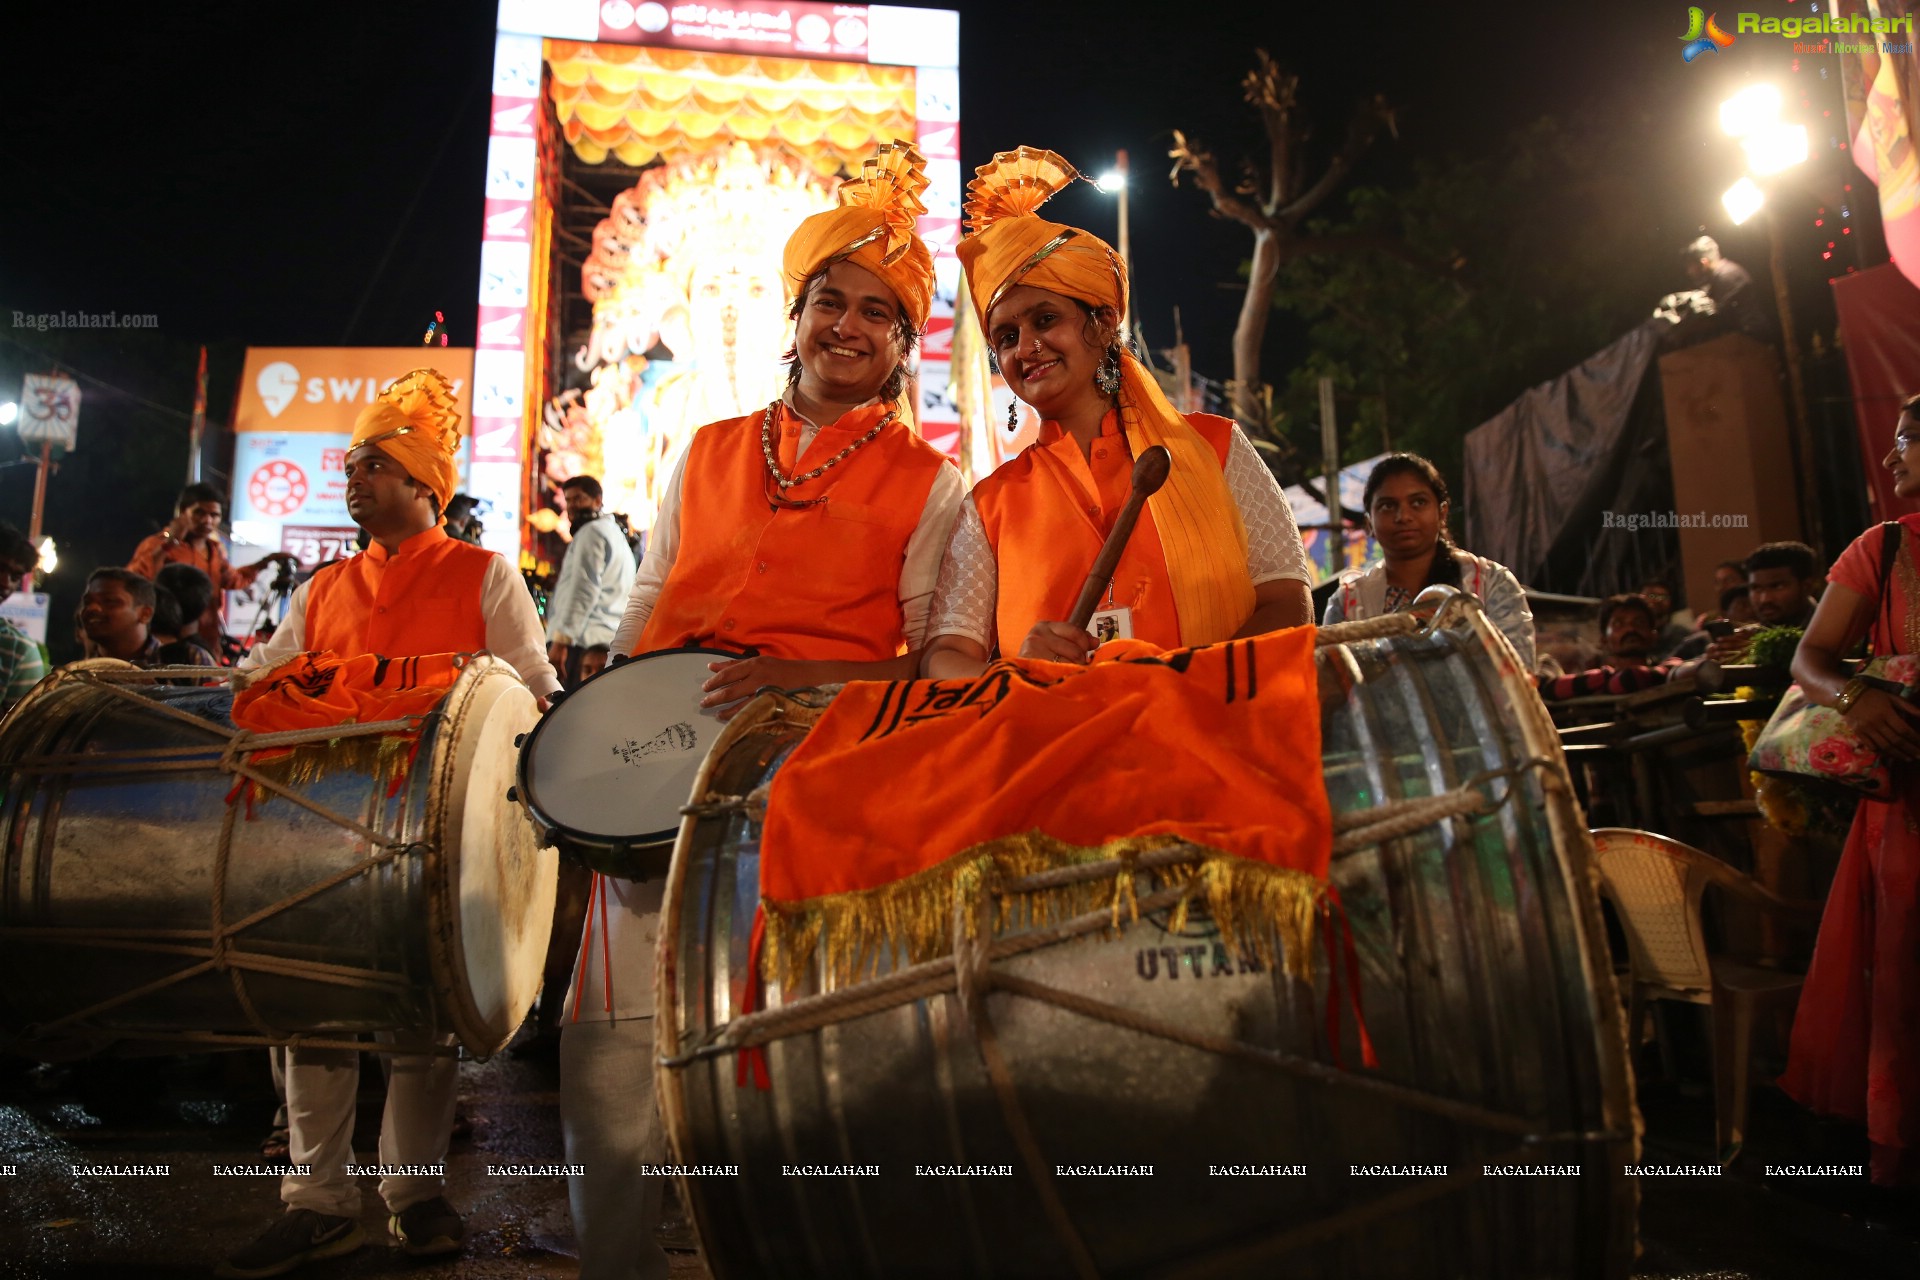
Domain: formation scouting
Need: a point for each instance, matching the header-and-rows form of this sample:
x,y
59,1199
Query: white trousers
x,y
322,1086
612,1128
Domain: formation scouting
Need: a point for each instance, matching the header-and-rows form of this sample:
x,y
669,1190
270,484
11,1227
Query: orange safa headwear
x,y
416,423
1200,528
873,228
1008,243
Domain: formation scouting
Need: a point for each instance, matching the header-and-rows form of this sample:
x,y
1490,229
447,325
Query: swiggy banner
x,y
291,426
289,389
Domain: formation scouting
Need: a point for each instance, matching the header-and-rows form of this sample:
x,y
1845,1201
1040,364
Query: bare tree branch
x,y
1270,203
1197,160
1365,126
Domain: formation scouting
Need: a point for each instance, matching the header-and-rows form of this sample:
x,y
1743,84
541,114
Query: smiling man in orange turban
x,y
1216,554
809,532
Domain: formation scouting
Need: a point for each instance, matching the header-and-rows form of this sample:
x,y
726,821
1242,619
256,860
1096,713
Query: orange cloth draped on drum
x,y
325,690
1198,522
819,582
1052,497
908,792
873,228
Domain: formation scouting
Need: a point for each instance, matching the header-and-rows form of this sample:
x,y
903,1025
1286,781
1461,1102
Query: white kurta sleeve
x,y
926,549
969,587
663,547
289,638
1274,549
513,627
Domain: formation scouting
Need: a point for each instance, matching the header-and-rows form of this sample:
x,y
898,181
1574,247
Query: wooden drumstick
x,y
1149,473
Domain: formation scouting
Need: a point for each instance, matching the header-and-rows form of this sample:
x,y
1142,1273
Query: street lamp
x,y
1742,200
1775,149
1114,183
1772,147
1753,107
8,412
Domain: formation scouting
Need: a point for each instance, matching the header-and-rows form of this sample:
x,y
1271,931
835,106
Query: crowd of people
x,y
823,540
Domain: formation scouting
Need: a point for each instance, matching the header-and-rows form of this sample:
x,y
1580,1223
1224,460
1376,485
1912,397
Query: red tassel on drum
x,y
1344,955
596,888
406,770
753,1058
243,788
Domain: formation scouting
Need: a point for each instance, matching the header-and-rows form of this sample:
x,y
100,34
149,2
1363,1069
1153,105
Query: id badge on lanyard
x,y
1111,623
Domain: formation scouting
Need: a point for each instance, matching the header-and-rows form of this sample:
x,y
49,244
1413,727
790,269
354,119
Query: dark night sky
x,y
311,175
260,180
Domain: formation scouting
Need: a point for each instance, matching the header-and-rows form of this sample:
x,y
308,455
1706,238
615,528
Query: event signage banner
x,y
49,410
28,612
747,26
291,427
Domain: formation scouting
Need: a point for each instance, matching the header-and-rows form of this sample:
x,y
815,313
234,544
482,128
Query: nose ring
x,y
1036,346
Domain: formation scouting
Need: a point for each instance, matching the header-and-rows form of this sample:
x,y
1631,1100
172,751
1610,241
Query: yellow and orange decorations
x,y
639,104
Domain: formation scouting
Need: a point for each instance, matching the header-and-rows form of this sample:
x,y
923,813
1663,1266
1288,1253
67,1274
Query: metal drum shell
x,y
1446,965
124,859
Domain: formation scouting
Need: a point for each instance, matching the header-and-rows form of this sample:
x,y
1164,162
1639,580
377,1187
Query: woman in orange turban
x,y
1216,554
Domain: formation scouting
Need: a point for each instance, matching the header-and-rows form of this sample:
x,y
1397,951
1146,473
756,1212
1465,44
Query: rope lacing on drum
x,y
753,805
215,947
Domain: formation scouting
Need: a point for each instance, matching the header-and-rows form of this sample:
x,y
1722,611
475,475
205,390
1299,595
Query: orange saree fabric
x,y
903,786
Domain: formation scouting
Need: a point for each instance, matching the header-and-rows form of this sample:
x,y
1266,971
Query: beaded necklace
x,y
785,483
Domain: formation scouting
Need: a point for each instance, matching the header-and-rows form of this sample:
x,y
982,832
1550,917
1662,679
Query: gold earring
x,y
1013,416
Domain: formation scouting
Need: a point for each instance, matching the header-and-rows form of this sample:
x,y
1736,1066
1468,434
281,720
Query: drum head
x,y
615,761
493,901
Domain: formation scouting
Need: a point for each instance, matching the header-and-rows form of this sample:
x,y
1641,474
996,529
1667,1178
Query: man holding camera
x,y
193,538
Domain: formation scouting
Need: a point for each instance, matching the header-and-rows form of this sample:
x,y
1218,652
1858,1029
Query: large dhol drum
x,y
607,770
147,898
884,1147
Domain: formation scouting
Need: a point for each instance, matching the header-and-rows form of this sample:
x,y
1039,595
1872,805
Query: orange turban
x,y
873,228
415,423
1200,527
1009,244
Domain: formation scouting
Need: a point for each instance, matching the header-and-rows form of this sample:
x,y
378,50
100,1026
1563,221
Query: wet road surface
x,y
192,1114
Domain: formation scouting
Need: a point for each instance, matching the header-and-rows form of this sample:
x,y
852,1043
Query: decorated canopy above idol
x,y
643,179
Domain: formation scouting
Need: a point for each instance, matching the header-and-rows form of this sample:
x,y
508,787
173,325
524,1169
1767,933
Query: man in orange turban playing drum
x,y
1216,554
808,534
413,592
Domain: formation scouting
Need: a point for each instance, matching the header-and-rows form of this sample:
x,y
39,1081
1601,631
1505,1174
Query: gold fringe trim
x,y
1262,911
385,758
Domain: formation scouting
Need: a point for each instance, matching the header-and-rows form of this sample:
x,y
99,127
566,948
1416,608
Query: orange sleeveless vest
x,y
425,599
1046,514
820,582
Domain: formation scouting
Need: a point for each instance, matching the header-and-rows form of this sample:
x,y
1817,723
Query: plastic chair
x,y
1656,885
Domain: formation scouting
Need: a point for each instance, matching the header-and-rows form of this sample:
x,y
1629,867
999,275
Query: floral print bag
x,y
1804,739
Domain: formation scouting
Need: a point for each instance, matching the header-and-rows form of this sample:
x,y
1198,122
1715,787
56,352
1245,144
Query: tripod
x,y
273,609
